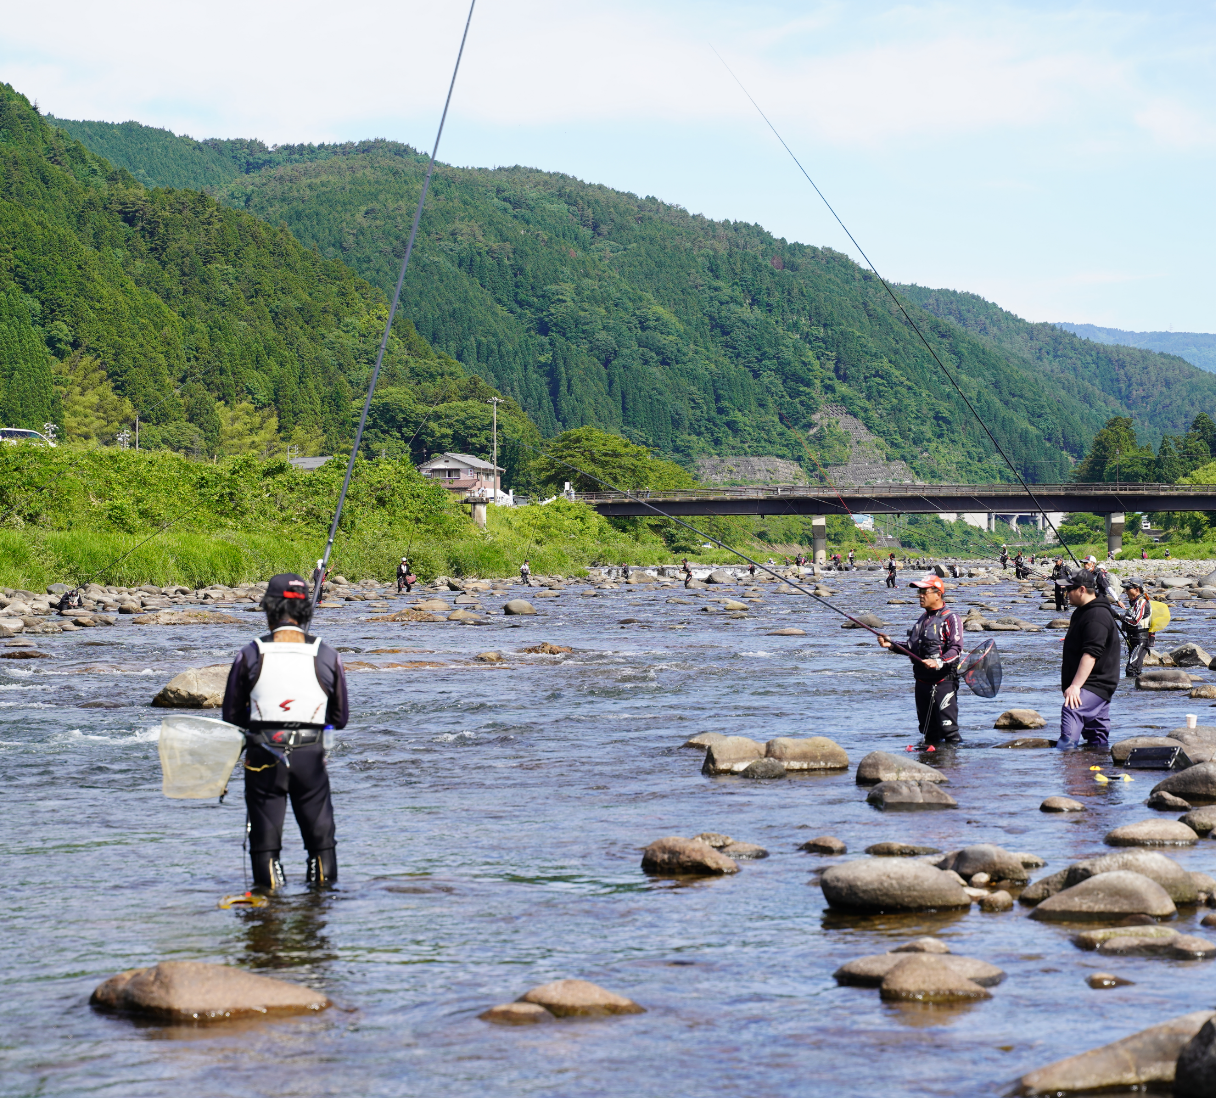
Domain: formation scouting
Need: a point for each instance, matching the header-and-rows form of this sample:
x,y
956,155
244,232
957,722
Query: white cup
x,y
1191,720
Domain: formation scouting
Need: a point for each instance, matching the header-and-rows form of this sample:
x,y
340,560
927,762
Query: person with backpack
x,y
1135,625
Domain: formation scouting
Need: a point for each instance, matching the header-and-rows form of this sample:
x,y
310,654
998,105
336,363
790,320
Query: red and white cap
x,y
930,580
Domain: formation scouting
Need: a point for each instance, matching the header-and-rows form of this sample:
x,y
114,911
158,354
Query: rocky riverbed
x,y
498,785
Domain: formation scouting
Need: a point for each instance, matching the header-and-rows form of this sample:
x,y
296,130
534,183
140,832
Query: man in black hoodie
x,y
1090,669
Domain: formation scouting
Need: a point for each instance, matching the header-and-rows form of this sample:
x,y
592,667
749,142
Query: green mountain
x,y
224,332
1198,348
593,306
1161,393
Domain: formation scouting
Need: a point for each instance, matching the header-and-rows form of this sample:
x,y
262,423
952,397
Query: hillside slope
x,y
1198,348
692,336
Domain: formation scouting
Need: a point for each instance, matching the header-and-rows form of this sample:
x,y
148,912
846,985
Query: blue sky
x,y
1056,158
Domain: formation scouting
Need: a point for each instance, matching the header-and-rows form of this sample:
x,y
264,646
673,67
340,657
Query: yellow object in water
x,y
243,899
1126,778
1095,768
1101,778
1159,616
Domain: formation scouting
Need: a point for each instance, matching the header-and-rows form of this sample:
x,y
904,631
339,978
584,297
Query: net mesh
x,y
197,756
981,670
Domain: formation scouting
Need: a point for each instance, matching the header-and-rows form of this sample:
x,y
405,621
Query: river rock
x,y
195,688
1026,743
1120,892
1120,751
814,753
1195,1071
1100,980
872,620
702,740
1061,804
1200,820
747,851
871,971
639,578
925,978
876,885
579,999
1176,881
1140,1061
1190,655
186,617
1096,939
1152,833
516,1014
677,857
731,755
996,902
1196,784
1058,623
546,648
910,795
1167,802
825,844
790,632
998,863
1019,718
198,991
1163,678
881,766
1203,690
463,616
900,850
763,770
518,606
923,945
719,576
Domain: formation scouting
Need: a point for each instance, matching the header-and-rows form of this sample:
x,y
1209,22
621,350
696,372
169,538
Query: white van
x,y
20,434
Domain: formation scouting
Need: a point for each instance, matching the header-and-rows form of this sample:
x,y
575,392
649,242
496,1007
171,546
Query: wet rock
x,y
1043,887
1120,892
1205,886
1176,881
790,632
1190,655
719,576
1152,833
1061,804
1019,718
1196,784
997,901
763,770
881,766
1167,802
923,945
1096,939
714,839
746,851
824,844
1026,743
195,688
1195,1071
924,978
1101,980
731,755
1164,678
183,617
198,991
547,649
579,999
1190,947
679,857
877,885
463,616
909,795
431,604
1141,1060
872,620
1204,690
900,850
516,1014
871,971
1058,623
490,657
1029,861
814,753
1200,820
518,606
1120,751
702,740
638,578
999,864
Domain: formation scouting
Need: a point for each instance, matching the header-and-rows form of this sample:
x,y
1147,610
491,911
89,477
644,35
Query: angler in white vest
x,y
286,689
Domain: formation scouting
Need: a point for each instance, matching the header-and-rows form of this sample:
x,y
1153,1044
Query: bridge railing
x,y
887,491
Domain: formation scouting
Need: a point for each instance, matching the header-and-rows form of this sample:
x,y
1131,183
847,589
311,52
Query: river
x,y
490,824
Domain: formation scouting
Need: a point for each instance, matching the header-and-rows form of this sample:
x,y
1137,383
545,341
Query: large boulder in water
x,y
1195,1073
1152,833
1200,820
678,857
998,863
1164,678
891,884
1120,892
579,999
1176,881
1196,784
872,620
731,755
882,766
1144,1060
926,978
1190,655
195,688
909,795
518,606
1020,719
719,576
814,753
1120,751
871,971
196,991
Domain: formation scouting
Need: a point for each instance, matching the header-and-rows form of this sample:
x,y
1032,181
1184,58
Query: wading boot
x,y
267,872
322,868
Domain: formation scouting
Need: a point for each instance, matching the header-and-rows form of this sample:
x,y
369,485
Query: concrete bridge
x,y
990,500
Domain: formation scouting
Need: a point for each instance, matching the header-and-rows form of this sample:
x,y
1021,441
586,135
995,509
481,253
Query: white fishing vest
x,y
287,690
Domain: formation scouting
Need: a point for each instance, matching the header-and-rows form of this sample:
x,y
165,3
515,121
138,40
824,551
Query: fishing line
x,y
392,312
899,304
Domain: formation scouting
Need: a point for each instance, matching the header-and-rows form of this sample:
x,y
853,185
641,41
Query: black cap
x,y
1133,582
1081,579
288,586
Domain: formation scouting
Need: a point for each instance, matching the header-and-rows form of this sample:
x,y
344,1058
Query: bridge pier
x,y
477,511
992,522
1115,523
819,538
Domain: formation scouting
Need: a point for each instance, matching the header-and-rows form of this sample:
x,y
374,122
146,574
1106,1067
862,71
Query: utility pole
x,y
494,402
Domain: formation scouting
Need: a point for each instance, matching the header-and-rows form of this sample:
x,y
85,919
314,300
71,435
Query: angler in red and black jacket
x,y
937,639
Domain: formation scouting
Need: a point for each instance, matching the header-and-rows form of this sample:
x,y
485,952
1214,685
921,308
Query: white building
x,y
465,474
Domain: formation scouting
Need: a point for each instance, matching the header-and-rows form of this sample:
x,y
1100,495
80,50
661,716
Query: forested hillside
x,y
223,331
592,306
1198,348
1162,393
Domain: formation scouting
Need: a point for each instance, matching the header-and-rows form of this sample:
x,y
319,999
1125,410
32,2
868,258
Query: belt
x,y
284,737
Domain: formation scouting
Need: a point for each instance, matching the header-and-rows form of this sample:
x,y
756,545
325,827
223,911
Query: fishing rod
x,y
900,305
392,312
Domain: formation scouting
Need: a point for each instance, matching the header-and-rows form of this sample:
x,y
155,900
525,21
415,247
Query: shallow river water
x,y
490,823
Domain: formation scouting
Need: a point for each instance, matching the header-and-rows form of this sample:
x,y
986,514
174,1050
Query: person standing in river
x,y
1135,625
1059,572
937,641
525,574
1004,557
1089,672
405,577
892,568
285,689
